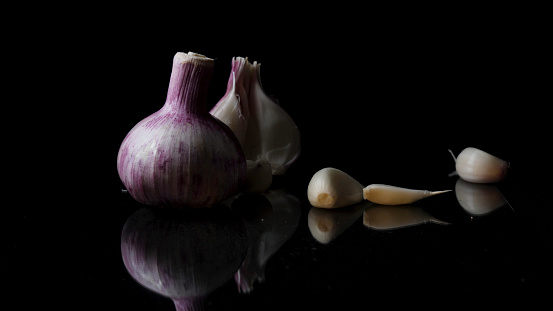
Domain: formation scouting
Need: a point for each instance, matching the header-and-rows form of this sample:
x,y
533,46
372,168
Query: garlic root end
x,y
325,200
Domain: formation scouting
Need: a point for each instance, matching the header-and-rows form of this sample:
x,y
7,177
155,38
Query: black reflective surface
x,y
387,113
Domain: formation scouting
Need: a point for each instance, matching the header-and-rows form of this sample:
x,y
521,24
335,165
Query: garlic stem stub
x,y
477,166
181,156
392,195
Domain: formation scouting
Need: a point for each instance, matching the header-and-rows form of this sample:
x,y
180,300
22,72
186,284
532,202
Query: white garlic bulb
x,y
477,166
233,107
332,188
392,195
272,133
264,129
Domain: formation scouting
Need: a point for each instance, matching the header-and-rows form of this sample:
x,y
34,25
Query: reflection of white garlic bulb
x,y
477,166
478,199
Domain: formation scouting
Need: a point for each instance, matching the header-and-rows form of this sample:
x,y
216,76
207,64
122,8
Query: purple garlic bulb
x,y
181,156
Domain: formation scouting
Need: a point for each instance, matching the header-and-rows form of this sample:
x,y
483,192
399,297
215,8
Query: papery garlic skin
x,y
392,195
477,166
181,156
332,188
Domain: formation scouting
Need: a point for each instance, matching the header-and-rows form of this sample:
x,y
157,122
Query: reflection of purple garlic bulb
x,y
387,217
183,255
478,199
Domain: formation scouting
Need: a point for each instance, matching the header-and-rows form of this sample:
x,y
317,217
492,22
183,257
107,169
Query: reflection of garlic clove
x,y
327,224
477,166
272,133
332,188
387,217
391,195
478,199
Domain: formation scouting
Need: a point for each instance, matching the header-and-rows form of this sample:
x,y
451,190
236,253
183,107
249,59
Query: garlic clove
x,y
272,134
332,188
478,199
385,217
392,195
259,176
477,166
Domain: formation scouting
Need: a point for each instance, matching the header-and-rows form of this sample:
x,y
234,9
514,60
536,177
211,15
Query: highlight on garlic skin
x,y
181,156
265,130
332,188
384,217
477,166
478,199
392,195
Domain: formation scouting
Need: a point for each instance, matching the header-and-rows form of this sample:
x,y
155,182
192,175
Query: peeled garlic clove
x,y
477,166
478,199
382,217
392,195
332,188
271,134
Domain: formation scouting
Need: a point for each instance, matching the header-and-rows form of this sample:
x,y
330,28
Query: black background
x,y
381,95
